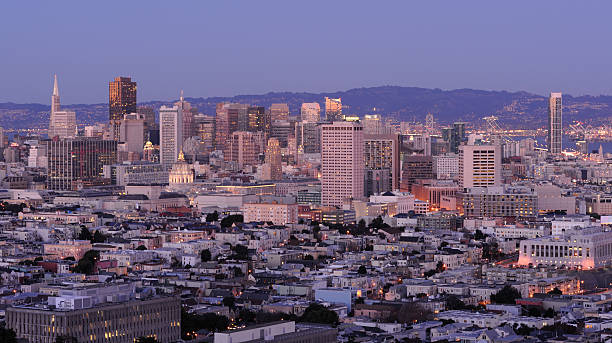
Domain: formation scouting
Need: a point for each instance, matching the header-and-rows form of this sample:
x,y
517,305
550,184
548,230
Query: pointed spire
x,y
55,88
181,95
181,156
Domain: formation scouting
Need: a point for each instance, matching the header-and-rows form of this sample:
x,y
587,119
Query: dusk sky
x,y
225,48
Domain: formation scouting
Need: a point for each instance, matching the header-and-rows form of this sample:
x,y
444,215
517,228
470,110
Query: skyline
x,y
167,48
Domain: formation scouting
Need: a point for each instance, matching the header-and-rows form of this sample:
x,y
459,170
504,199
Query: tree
x,y
412,312
143,339
454,303
308,258
361,226
550,313
555,291
86,265
205,255
377,223
479,236
362,270
192,323
240,252
7,335
84,235
141,247
231,219
506,295
212,217
98,237
230,302
317,313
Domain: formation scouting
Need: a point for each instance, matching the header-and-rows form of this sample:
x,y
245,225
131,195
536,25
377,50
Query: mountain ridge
x,y
514,109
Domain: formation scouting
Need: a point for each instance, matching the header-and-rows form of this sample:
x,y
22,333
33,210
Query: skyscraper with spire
x,y
62,124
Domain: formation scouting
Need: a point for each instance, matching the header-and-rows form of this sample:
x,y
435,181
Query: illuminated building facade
x,y
555,124
586,249
121,101
121,322
333,109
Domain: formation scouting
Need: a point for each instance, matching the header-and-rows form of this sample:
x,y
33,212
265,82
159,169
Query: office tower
x,y
414,168
310,112
121,101
555,123
373,125
3,138
229,118
148,115
77,159
258,119
170,134
454,135
62,124
205,129
376,181
279,112
187,111
382,152
342,162
131,132
479,165
308,137
281,130
274,159
430,122
333,109
244,148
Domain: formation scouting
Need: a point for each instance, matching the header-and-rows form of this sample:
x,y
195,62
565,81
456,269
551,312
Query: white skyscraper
x,y
311,112
170,134
342,162
62,124
555,123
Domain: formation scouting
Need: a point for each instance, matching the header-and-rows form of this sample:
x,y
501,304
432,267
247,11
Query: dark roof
x,y
170,195
133,197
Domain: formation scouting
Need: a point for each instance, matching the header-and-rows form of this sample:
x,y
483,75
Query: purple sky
x,y
224,48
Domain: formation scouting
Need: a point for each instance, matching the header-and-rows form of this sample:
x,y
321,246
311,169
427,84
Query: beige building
x,y
279,214
111,322
479,166
64,249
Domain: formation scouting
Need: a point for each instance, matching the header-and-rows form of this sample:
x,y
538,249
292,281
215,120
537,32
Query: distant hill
x,y
514,109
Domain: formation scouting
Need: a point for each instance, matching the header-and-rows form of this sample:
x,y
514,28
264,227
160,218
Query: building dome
x,y
181,172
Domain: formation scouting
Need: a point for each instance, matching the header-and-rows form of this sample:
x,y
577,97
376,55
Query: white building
x,y
404,201
170,134
279,214
585,249
479,165
446,166
263,332
342,163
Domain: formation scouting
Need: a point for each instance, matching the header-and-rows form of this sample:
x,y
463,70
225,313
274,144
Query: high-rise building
x,y
342,162
415,167
555,123
77,159
148,114
274,159
382,152
479,165
308,137
188,114
121,101
62,124
281,130
333,109
230,118
205,129
170,134
454,135
244,147
258,119
279,112
131,132
311,112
